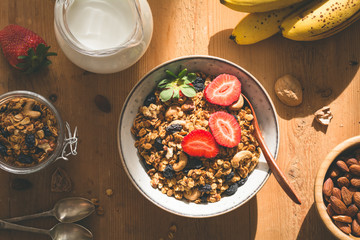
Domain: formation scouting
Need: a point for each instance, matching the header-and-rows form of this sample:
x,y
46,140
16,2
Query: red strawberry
x,y
200,143
223,90
225,129
24,49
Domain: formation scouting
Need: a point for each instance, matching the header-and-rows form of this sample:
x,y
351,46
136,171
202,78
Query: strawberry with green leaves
x,y
176,85
24,49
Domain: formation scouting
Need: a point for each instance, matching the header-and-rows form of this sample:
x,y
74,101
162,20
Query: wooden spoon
x,y
279,175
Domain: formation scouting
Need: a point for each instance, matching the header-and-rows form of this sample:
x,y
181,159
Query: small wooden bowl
x,y
348,144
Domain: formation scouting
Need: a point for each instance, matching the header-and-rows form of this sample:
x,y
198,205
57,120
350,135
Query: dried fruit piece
x,y
225,129
323,115
102,103
342,165
60,181
200,143
355,169
223,90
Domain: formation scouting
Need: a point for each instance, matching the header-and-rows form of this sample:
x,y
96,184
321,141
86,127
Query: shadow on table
x,y
325,67
313,227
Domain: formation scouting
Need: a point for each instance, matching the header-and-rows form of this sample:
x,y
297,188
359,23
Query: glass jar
x,y
103,36
62,142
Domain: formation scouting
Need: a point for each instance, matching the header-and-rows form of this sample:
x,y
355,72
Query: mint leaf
x,y
163,83
188,91
166,94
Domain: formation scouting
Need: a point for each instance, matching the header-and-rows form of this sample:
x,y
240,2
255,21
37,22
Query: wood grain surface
x,y
184,27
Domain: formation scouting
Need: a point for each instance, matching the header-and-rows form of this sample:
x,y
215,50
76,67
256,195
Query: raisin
x,y
193,163
26,159
5,133
204,198
30,140
47,131
173,128
169,171
147,166
20,184
3,150
205,188
231,190
158,144
242,181
229,176
151,98
199,84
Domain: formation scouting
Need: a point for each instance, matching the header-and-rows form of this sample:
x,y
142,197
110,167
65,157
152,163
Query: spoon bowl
x,y
70,231
69,210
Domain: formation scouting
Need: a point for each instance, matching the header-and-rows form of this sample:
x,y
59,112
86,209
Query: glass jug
x,y
103,36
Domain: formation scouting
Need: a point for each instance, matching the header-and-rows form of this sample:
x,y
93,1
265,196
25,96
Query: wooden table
x,y
184,27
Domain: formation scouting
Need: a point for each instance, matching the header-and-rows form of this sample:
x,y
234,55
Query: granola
x,y
28,132
159,128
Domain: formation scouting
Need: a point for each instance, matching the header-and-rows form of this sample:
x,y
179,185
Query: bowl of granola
x,y
31,132
186,140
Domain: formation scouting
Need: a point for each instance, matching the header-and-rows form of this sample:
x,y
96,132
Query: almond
x,y
343,227
355,227
342,165
358,216
355,169
342,218
337,205
331,212
356,199
336,193
335,172
346,196
343,181
328,187
351,211
355,182
351,161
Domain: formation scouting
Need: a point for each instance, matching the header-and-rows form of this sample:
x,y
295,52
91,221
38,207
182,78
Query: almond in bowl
x,y
337,190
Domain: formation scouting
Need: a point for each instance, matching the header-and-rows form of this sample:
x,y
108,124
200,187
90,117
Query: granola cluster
x,y
28,132
159,129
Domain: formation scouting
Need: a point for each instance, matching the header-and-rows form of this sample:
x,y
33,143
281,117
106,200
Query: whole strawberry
x,y
24,49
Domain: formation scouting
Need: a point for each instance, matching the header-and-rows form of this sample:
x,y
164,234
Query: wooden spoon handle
x,y
278,174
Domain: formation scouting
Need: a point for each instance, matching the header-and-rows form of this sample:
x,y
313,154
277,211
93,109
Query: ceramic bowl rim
x,y
156,69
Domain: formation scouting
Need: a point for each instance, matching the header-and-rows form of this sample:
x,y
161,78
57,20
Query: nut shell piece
x,y
289,90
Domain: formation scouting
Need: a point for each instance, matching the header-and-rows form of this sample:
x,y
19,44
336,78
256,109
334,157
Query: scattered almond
x,y
346,196
342,165
337,205
355,169
328,187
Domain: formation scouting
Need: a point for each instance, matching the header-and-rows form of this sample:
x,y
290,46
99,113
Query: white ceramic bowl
x,y
132,163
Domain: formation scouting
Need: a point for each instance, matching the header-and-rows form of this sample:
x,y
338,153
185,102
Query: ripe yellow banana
x,y
252,6
256,27
320,19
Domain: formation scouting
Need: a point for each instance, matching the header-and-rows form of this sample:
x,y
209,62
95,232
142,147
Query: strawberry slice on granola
x,y
225,129
224,90
200,143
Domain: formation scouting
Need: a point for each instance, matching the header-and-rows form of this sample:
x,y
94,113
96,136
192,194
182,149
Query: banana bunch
x,y
306,20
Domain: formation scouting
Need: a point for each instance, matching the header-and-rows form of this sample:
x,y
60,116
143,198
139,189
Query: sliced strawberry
x,y
200,143
225,129
223,90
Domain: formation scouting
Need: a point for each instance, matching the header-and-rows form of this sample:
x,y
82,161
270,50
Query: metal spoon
x,y
61,231
66,210
279,175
